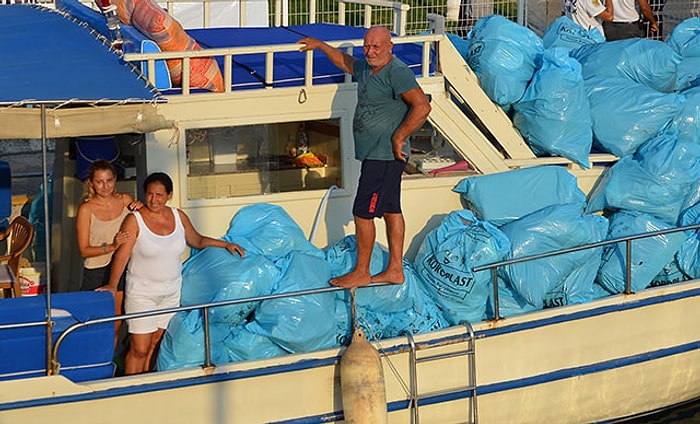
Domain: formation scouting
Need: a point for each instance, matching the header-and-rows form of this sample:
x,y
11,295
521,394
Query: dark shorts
x,y
379,189
98,277
623,30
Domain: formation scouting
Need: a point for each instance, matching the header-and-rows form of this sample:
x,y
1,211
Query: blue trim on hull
x,y
428,400
517,384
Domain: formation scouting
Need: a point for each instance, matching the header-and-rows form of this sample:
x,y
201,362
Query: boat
x,y
613,358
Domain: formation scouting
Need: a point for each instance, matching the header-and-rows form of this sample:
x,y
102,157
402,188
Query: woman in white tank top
x,y
154,277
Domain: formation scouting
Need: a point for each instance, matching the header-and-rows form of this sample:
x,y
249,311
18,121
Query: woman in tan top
x,y
97,227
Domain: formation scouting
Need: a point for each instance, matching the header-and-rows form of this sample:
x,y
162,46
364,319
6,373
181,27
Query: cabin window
x,y
263,159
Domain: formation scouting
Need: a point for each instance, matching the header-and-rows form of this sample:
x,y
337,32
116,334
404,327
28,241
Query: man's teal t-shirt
x,y
380,109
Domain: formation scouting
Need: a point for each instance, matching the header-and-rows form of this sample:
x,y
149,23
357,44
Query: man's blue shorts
x,y
379,189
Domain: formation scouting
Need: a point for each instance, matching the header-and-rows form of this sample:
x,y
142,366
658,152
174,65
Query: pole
x,y
47,245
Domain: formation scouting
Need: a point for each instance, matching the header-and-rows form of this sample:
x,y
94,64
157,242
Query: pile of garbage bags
x,y
541,210
570,92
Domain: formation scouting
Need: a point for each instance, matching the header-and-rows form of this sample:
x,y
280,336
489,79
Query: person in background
x,y
588,13
626,22
153,277
390,107
657,9
97,228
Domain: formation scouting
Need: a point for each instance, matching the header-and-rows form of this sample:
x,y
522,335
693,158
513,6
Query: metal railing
x,y
371,12
269,51
536,15
628,258
493,267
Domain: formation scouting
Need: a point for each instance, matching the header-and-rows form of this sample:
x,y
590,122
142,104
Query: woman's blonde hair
x,y
98,165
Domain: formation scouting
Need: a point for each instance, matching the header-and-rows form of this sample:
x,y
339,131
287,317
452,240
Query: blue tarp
x,y
47,56
249,69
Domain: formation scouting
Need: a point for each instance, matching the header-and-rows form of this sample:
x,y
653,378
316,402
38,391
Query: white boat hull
x,y
611,358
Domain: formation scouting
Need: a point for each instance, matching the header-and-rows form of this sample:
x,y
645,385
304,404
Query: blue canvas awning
x,y
47,58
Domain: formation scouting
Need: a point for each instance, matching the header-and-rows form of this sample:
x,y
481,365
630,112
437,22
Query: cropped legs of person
x,y
146,333
141,349
395,230
378,195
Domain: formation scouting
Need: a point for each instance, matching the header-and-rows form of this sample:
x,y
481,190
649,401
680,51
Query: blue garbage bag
x,y
657,180
671,273
686,124
371,322
577,287
503,56
342,257
214,274
445,260
461,44
641,113
649,255
423,316
506,196
243,345
510,302
688,73
688,256
183,342
268,230
298,323
552,228
685,38
564,32
410,321
599,291
553,115
649,62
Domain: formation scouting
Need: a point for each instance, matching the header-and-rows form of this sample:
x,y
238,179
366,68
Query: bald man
x,y
390,107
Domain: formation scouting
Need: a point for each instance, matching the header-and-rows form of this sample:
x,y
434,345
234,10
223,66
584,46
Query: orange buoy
x,y
362,383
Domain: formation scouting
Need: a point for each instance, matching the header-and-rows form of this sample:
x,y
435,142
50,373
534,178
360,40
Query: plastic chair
x,y
18,236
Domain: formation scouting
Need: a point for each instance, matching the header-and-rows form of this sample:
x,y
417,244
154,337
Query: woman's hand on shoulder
x,y
134,205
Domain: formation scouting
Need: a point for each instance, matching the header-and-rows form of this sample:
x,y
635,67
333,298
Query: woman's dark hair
x,y
159,177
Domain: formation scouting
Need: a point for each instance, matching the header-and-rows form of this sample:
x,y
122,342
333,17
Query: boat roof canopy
x,y
53,62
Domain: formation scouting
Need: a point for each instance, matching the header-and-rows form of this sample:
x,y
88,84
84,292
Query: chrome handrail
x,y
203,306
628,259
55,367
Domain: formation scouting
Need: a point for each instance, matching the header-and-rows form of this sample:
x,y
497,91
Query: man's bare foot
x,y
352,279
389,276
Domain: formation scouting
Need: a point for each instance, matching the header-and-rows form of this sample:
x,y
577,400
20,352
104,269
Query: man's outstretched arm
x,y
339,58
